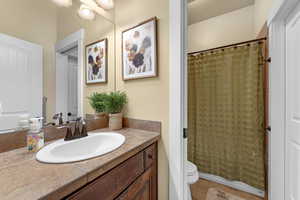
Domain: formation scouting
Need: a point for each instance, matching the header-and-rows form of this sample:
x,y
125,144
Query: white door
x,y
21,82
292,162
67,85
62,84
72,87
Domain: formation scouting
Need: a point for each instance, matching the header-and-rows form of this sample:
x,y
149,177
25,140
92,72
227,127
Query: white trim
x,y
233,184
277,110
177,183
281,10
75,39
68,42
277,99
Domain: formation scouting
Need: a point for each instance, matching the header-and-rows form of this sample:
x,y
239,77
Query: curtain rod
x,y
223,47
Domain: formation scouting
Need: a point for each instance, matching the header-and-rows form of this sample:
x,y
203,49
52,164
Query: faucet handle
x,y
60,119
83,130
78,119
77,130
69,134
55,117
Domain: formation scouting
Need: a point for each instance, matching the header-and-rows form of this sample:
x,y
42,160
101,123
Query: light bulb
x,y
63,3
106,4
86,13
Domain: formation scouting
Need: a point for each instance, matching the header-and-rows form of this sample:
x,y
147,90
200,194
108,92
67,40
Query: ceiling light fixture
x,y
63,3
86,13
106,4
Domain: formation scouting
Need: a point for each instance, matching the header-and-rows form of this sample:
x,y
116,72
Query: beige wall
x,y
148,98
262,10
34,21
233,27
68,22
43,23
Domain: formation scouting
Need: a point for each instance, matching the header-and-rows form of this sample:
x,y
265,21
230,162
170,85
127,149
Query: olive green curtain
x,y
226,113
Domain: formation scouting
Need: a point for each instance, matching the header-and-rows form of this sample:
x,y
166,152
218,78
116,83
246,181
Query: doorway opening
x,y
69,76
227,102
227,119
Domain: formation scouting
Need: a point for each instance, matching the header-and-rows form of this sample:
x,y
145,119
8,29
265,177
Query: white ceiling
x,y
199,10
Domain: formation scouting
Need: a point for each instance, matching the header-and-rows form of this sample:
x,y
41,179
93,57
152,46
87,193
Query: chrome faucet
x,y
59,116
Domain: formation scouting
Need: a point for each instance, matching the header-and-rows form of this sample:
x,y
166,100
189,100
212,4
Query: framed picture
x,y
96,62
139,50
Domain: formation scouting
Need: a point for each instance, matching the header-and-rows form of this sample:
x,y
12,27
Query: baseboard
x,y
233,184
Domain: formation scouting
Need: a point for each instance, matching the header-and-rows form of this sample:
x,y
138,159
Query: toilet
x,y
192,176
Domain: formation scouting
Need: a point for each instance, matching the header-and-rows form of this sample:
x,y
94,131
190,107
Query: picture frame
x,y
139,51
96,62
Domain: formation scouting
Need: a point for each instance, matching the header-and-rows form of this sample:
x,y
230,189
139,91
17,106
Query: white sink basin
x,y
88,147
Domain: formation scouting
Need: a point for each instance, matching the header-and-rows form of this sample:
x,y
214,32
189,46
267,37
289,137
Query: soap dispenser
x,y
35,136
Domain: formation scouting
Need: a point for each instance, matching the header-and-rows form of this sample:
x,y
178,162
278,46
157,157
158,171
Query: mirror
x,y
51,60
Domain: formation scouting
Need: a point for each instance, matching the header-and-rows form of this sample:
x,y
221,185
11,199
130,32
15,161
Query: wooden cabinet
x,y
140,189
134,179
144,188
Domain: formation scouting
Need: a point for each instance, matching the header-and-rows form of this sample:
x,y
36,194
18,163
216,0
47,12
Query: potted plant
x,y
96,101
114,104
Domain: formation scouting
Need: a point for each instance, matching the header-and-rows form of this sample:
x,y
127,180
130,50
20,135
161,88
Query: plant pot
x,y
99,115
116,121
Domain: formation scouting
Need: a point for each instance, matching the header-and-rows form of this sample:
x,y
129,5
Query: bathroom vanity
x,y
135,178
129,172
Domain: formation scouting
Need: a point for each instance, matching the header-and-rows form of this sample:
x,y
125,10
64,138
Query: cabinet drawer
x,y
150,155
109,185
140,189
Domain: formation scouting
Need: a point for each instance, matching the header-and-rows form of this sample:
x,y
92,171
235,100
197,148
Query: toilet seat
x,y
192,176
190,168
191,172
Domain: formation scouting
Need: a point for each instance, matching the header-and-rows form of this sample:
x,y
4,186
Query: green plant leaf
x,y
97,101
115,102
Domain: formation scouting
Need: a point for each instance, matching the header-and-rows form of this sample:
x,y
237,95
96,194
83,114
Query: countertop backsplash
x,y
17,139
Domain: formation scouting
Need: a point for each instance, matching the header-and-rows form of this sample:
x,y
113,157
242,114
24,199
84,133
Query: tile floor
x,y
200,188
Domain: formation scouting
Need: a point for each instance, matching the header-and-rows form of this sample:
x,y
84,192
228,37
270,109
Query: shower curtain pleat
x,y
226,113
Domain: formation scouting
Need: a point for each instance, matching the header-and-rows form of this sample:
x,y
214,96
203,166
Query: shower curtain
x,y
226,113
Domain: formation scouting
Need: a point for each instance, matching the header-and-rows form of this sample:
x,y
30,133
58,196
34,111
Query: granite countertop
x,y
22,177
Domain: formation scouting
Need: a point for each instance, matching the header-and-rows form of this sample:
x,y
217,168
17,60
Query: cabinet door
x,y
111,184
141,189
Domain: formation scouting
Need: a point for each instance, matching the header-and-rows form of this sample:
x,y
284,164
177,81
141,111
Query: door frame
x,y
177,99
72,40
277,137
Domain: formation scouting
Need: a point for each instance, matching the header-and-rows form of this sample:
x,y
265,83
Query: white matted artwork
x,y
139,50
96,62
